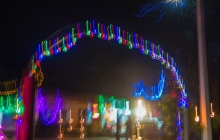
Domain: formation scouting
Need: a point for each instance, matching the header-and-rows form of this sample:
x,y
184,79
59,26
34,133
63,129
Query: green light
x,y
46,48
87,28
158,47
99,34
120,40
100,103
64,46
73,34
111,31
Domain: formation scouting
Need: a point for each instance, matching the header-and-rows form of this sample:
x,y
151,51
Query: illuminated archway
x,y
104,32
110,32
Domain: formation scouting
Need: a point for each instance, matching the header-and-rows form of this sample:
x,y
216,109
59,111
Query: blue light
x,y
179,128
94,30
162,7
155,91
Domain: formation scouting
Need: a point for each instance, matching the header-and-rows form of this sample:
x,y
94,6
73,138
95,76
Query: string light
x,y
60,121
8,87
155,91
43,111
81,124
89,113
155,51
70,128
10,108
2,136
212,112
197,117
179,128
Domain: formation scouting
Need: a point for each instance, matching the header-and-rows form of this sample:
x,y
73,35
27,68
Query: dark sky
x,y
25,25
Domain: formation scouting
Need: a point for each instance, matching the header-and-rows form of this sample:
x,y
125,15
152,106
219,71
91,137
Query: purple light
x,y
2,137
42,107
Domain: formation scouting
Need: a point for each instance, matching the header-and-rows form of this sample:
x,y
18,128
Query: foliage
x,y
169,110
216,123
195,128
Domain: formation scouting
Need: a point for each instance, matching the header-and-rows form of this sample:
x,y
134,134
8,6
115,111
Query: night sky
x,y
100,66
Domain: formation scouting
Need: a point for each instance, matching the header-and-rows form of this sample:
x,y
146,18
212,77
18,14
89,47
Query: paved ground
x,y
92,138
75,138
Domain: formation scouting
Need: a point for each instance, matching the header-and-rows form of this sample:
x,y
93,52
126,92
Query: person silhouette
x,y
118,127
129,128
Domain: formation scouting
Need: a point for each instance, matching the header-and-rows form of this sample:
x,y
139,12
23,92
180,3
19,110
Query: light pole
x,y
203,77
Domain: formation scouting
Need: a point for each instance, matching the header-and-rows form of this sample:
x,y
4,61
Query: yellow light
x,y
95,115
212,112
140,110
197,117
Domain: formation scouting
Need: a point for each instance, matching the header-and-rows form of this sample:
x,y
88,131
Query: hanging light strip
x,y
42,107
155,91
10,107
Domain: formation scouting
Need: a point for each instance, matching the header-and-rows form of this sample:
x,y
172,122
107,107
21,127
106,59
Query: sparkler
x,y
162,7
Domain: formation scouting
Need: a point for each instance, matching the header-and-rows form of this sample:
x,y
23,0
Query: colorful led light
x,y
43,109
179,128
81,124
148,48
155,91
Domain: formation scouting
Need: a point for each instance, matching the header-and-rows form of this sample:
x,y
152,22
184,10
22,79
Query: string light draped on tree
x,y
162,7
155,91
48,116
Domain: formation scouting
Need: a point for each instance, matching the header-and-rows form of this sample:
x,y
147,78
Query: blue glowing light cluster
x,y
110,32
162,7
48,116
179,128
155,91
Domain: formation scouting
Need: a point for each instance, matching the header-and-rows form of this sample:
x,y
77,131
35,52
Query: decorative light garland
x,y
90,113
8,87
197,117
107,103
212,112
155,91
39,77
179,128
70,128
11,108
60,136
111,32
42,108
81,124
2,136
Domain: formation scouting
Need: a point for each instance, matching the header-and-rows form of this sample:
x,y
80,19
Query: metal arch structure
x,y
105,32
